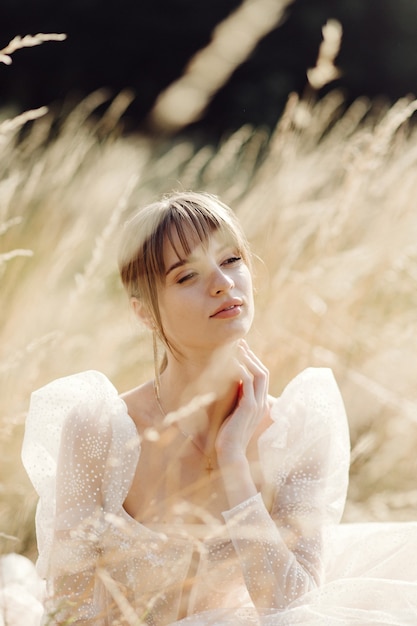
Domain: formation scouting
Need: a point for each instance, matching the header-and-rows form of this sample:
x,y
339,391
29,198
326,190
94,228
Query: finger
x,y
259,372
254,396
247,387
247,350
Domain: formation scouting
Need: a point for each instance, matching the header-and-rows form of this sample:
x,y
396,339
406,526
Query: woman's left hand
x,y
239,427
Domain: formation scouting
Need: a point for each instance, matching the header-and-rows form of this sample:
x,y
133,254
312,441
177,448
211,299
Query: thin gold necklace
x,y
209,465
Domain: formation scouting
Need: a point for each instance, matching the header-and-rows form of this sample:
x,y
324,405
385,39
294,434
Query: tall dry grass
x,y
328,202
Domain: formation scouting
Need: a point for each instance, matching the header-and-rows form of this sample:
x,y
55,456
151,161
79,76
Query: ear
x,y
142,313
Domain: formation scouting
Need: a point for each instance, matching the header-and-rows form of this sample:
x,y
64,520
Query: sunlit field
x,y
328,202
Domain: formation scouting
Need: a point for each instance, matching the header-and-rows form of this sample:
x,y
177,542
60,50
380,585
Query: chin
x,y
236,335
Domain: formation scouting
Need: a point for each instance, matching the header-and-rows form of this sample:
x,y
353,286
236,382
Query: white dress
x,y
102,567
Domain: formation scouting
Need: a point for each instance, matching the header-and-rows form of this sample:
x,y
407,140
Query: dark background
x,y
145,44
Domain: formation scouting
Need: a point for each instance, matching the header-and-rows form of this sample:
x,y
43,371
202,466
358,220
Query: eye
x,y
183,279
231,260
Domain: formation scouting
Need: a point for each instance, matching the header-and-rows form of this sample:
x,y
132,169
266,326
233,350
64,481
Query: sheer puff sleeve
x,y
80,451
304,457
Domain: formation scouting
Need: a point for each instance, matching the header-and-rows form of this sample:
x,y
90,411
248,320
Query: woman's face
x,y
207,299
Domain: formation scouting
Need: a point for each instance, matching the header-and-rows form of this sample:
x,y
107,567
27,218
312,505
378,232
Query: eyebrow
x,y
178,263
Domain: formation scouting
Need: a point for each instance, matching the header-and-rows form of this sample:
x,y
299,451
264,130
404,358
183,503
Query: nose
x,y
221,282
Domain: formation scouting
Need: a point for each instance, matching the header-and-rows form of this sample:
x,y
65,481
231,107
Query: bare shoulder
x,y
140,404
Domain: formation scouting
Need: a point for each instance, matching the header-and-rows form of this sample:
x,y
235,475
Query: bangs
x,y
186,226
192,227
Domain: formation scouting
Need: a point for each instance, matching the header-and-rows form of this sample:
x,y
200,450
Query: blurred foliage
x,y
145,46
327,202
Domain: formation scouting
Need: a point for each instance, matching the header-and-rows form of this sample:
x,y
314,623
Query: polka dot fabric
x,y
279,558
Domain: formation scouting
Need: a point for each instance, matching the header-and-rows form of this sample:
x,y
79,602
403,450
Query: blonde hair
x,y
192,217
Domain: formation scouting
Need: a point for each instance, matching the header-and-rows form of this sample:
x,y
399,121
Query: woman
x,y
195,496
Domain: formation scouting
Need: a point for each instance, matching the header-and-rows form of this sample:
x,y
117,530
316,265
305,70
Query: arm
x,y
81,472
280,549
72,580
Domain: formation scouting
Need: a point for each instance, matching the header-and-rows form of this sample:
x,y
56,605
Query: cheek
x,y
251,307
248,288
245,278
174,312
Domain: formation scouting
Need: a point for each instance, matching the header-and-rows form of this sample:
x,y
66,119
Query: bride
x,y
196,497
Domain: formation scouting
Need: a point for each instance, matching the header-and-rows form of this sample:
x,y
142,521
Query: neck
x,y
187,380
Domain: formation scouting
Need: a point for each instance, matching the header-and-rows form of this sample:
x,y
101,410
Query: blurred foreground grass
x,y
328,203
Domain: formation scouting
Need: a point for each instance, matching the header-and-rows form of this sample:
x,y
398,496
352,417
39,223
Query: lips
x,y
228,306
